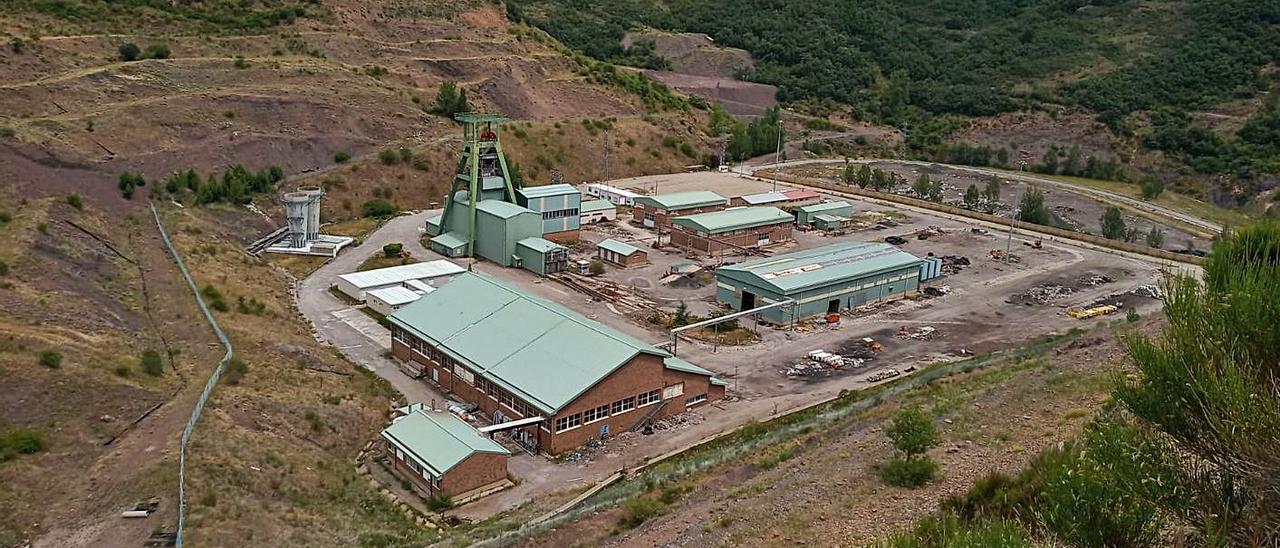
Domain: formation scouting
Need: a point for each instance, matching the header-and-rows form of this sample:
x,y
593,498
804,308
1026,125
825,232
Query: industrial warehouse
x,y
732,230
516,356
657,211
820,281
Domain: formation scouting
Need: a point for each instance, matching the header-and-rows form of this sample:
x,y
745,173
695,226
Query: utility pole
x,y
777,154
1008,244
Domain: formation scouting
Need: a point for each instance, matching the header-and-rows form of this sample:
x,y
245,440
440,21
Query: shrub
x,y
5,217
250,306
341,157
1132,315
4,268
128,51
638,510
439,503
909,472
235,372
421,164
75,200
241,62
406,155
597,267
23,440
388,156
51,359
392,249
912,432
948,531
151,363
123,370
314,421
378,208
157,51
8,131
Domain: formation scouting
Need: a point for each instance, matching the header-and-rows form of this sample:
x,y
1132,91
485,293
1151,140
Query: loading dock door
x,y
833,306
748,300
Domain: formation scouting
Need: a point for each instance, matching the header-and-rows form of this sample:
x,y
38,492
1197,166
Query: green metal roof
x,y
540,245
438,439
548,190
736,218
499,208
595,205
825,206
820,266
676,364
620,248
830,218
683,200
539,350
449,240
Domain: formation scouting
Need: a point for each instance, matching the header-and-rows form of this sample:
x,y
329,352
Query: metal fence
x,y
208,386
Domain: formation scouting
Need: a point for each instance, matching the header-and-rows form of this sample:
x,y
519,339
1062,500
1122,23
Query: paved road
x,y
1209,227
324,311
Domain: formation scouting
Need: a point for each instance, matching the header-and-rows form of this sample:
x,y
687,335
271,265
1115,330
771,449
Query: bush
x,y
597,267
388,156
241,62
421,164
341,157
909,472
948,531
406,155
4,268
378,208
8,131
235,372
638,510
151,363
51,359
128,51
250,306
23,440
75,200
439,503
157,51
392,249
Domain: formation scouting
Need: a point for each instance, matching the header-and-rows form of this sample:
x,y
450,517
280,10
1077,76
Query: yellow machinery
x,y
1086,313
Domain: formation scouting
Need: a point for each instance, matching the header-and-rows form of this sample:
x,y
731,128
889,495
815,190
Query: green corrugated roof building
x,y
805,215
437,440
591,206
682,200
822,280
728,220
536,349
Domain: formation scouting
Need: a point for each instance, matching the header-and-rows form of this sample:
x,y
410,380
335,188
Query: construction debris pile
x,y
882,375
937,291
1094,280
928,232
999,255
821,363
675,422
1042,294
922,333
895,240
952,264
1149,291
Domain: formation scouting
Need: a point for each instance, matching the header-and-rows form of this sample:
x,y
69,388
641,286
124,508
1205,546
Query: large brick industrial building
x,y
732,230
658,210
519,356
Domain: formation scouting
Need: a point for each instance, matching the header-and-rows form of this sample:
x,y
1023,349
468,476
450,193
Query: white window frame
x,y
653,396
673,391
600,413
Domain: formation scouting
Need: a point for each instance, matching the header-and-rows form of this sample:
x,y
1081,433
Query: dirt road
x,y
746,168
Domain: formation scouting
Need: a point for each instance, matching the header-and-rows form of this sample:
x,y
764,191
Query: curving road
x,y
1210,228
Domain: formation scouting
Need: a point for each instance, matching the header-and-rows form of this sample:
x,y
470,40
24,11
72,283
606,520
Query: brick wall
x,y
778,233
478,470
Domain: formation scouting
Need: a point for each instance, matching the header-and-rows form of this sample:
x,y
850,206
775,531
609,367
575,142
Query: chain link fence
x,y
208,386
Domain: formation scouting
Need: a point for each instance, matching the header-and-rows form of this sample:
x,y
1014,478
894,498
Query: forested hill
x,y
968,57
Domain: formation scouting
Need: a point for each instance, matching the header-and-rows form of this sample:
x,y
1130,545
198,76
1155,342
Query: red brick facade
x,y
635,259
478,470
715,245
628,391
662,218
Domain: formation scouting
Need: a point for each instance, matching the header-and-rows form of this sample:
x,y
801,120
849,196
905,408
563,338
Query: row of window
x,y
466,375
559,213
619,407
413,465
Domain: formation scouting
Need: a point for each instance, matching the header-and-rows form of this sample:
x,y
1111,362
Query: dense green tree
x,y
1152,187
992,190
128,51
912,432
1113,226
972,196
1155,237
1032,208
451,99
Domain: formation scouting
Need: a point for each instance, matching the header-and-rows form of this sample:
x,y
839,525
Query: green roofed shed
x,y
728,220
676,201
438,440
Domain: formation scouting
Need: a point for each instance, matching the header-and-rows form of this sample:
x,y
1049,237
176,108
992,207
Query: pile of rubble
x,y
895,240
1149,291
922,333
999,255
1042,294
676,422
882,375
1094,280
952,264
936,291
